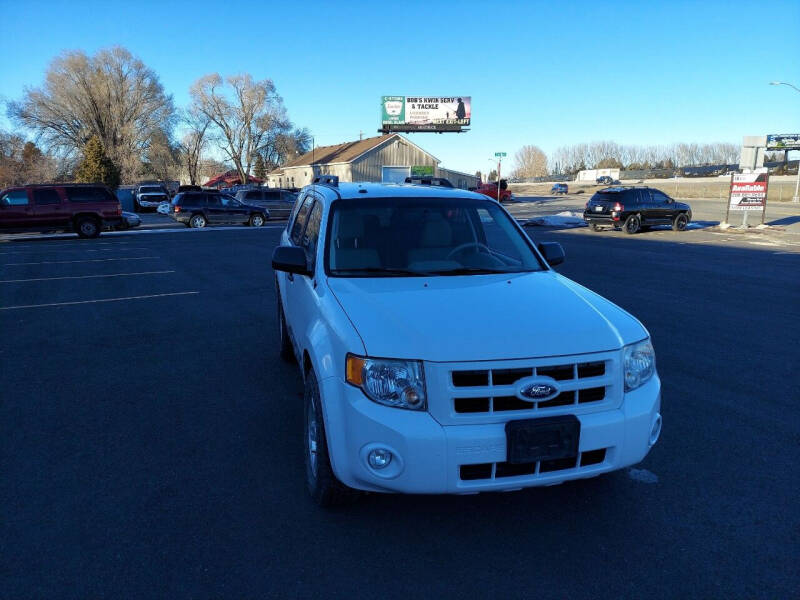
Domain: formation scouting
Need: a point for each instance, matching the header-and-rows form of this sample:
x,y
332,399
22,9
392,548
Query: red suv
x,y
85,209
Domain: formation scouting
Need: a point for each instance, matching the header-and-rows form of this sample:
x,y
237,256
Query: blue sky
x,y
545,73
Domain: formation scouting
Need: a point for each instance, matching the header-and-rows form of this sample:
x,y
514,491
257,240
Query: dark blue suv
x,y
559,188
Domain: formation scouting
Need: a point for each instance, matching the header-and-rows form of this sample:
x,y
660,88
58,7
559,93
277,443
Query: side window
x,y
253,196
15,198
300,220
311,235
271,195
213,200
88,194
46,197
660,198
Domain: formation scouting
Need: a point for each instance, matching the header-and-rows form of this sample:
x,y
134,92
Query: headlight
x,y
398,383
638,364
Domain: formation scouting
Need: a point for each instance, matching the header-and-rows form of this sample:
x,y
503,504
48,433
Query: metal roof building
x,y
384,158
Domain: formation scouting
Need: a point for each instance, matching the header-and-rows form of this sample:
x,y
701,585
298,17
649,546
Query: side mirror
x,y
553,253
290,259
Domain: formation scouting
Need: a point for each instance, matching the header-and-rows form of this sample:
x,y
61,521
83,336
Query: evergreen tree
x,y
96,167
260,169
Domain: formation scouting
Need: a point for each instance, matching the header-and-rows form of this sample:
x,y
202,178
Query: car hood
x,y
482,317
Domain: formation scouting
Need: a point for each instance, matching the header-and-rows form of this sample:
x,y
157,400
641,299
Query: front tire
x,y
632,224
256,220
324,487
680,222
594,227
197,222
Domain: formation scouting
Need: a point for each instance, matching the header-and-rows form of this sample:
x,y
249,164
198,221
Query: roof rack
x,y
330,180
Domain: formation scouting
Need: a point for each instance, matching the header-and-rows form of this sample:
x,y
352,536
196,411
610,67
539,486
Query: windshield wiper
x,y
381,270
475,271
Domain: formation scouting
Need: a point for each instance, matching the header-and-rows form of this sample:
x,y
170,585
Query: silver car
x,y
278,202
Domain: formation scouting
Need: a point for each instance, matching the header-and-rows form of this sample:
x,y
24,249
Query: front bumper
x,y
428,456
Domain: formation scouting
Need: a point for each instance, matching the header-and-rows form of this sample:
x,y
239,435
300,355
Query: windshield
x,y
395,237
151,190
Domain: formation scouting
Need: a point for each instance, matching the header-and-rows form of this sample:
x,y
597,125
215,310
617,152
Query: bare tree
x,y
193,143
242,119
162,159
530,161
23,162
111,94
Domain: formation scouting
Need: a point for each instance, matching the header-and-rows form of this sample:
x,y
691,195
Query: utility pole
x,y
796,197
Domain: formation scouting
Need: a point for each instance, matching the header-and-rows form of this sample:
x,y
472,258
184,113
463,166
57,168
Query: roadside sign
x,y
500,154
748,192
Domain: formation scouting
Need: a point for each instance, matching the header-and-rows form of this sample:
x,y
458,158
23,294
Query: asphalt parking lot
x,y
151,442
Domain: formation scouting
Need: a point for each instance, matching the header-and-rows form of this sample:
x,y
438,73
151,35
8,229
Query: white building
x,y
385,158
593,174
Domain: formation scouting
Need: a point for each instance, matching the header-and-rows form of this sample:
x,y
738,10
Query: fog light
x,y
379,458
655,430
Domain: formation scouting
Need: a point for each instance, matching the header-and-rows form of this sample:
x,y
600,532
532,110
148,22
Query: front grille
x,y
500,470
497,378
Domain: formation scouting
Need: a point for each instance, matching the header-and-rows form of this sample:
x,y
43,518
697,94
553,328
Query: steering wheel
x,y
461,247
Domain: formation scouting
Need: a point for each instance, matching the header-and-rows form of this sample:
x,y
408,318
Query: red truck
x,y
86,209
489,188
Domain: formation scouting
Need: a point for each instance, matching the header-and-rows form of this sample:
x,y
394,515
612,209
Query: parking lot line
x,y
97,301
61,262
34,251
85,276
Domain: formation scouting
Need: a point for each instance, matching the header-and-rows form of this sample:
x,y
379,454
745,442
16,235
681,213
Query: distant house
x,y
230,178
384,158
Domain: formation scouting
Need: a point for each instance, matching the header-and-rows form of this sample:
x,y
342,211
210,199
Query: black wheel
x,y
322,484
87,227
197,221
287,352
680,222
594,227
256,220
632,224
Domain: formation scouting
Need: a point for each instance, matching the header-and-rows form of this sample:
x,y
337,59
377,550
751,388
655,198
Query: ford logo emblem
x,y
537,391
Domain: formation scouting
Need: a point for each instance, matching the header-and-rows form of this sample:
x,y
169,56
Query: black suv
x,y
198,209
635,209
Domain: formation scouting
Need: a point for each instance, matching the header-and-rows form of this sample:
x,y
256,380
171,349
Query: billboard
x,y
749,191
783,141
425,113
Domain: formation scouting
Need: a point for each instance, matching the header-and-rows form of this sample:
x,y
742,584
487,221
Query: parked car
x,y
635,209
559,188
604,180
277,202
198,209
490,189
413,386
129,221
440,181
85,209
147,197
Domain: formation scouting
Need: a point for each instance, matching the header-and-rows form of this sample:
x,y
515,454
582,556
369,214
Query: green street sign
x,y
500,154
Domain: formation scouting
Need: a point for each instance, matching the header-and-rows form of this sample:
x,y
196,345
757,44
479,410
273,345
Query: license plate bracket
x,y
548,438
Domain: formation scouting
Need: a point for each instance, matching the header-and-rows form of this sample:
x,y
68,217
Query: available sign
x,y
425,113
783,141
749,191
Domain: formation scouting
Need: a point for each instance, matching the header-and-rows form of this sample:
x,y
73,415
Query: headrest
x,y
436,232
351,225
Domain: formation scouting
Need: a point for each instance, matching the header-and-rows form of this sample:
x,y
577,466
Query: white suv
x,y
441,353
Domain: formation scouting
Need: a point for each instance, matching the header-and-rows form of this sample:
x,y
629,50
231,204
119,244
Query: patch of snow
x,y
567,218
643,475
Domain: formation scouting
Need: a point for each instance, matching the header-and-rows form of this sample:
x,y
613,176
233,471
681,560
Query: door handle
x,y
290,276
